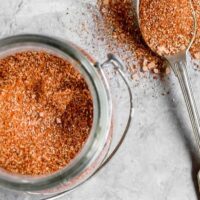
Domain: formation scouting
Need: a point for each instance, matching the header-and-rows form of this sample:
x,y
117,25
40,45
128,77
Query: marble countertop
x,y
158,160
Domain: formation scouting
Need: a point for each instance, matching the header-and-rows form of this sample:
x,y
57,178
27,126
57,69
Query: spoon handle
x,y
180,70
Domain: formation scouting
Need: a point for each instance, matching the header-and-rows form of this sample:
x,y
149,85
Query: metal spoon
x,y
179,63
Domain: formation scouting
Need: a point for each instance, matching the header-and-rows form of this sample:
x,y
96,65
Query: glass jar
x,y
94,154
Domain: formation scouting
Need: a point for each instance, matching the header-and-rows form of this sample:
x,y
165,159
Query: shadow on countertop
x,y
185,134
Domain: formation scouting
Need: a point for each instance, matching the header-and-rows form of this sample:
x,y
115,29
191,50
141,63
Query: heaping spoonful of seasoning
x,y
169,29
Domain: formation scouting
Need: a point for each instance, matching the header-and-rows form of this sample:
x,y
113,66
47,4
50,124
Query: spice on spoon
x,y
195,50
167,25
46,113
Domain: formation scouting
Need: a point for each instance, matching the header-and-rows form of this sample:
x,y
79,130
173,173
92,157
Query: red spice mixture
x,y
167,25
46,113
195,50
117,26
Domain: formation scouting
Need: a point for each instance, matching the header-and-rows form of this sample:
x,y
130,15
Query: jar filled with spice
x,y
56,115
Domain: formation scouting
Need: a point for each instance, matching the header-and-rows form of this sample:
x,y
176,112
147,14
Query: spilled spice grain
x,y
46,113
167,25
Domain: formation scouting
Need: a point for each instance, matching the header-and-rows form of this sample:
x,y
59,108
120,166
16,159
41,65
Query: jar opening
x,y
101,110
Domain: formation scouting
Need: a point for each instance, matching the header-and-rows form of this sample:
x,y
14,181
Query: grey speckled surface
x,y
158,160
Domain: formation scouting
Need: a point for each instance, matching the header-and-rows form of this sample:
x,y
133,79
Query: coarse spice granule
x,y
167,25
46,113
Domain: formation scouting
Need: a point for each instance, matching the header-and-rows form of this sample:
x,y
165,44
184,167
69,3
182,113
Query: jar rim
x,y
101,121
